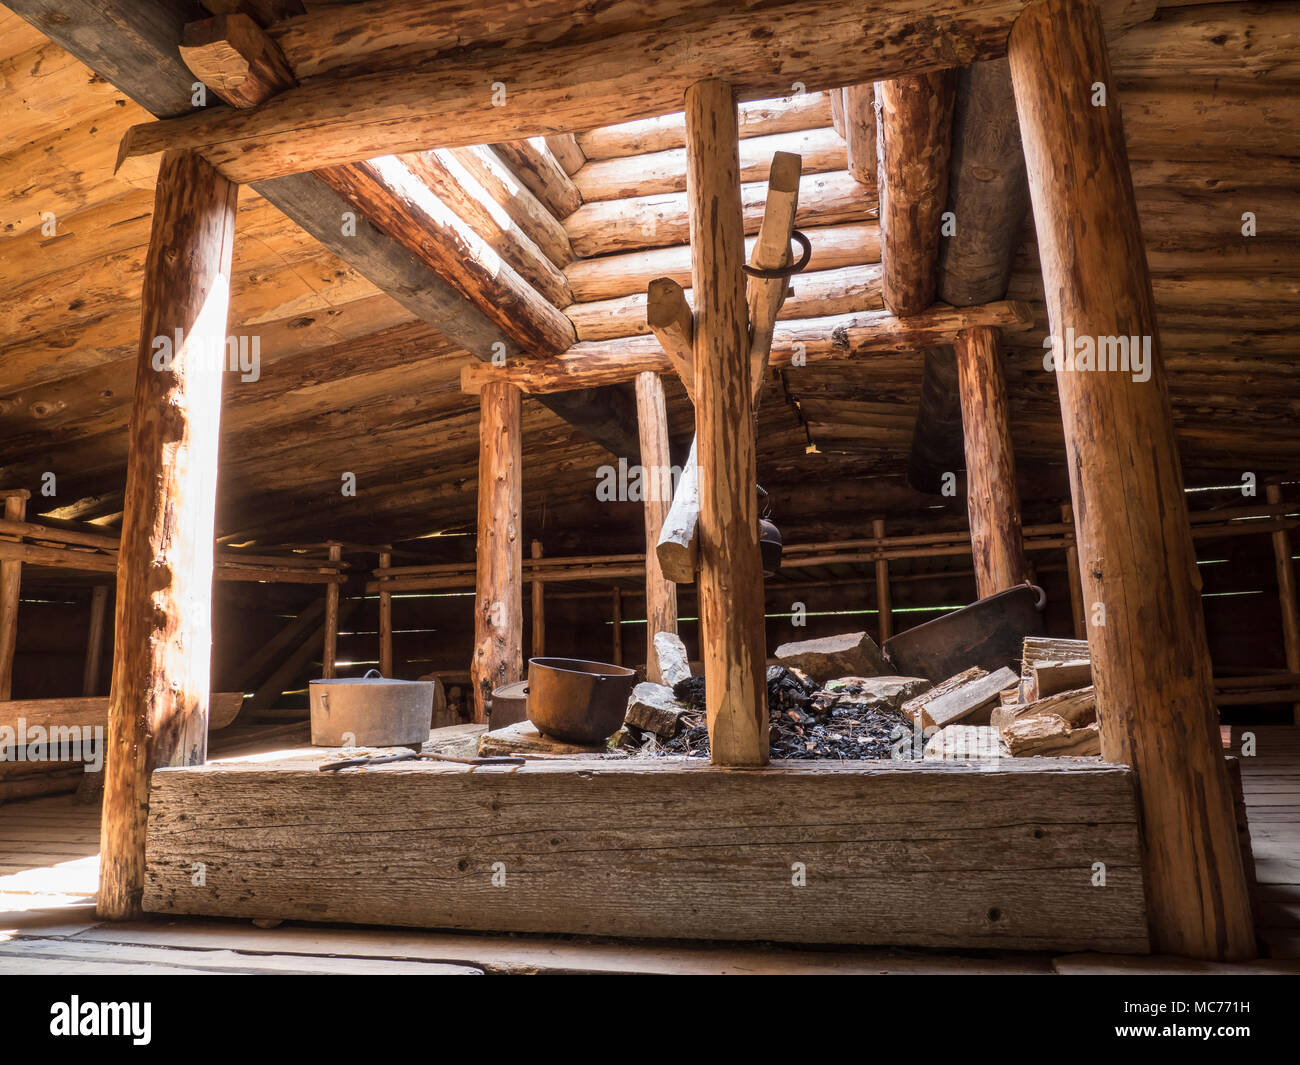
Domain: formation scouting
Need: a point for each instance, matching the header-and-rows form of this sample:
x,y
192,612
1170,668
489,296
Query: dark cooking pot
x,y
576,701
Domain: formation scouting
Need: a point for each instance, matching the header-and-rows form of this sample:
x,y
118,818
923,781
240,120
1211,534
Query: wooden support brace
x,y
537,597
158,706
498,598
1286,593
732,629
764,296
1150,660
884,606
673,324
330,645
94,640
656,463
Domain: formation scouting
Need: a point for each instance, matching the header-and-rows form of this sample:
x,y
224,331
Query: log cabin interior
x,y
893,405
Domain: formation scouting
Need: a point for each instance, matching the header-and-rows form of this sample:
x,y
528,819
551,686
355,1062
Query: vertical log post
x,y
538,597
656,462
617,613
1286,593
1150,660
733,637
94,639
385,617
498,597
884,607
992,502
158,704
11,575
1078,612
330,650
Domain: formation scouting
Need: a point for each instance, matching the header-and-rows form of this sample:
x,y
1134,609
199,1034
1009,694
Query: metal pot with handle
x,y
370,711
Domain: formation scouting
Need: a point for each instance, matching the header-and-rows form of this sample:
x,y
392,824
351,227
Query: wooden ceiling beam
x,y
135,44
829,339
637,74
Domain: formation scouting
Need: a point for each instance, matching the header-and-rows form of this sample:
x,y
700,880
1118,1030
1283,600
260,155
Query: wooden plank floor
x,y
49,868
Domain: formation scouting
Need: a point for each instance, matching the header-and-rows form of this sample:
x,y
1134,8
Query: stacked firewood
x,y
1049,709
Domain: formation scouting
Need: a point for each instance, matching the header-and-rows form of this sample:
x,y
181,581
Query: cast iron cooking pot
x,y
576,701
370,711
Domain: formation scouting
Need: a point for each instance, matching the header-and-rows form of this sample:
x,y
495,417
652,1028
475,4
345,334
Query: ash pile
x,y
838,698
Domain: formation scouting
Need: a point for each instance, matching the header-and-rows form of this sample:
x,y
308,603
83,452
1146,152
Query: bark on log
x,y
670,319
158,706
731,581
656,463
992,501
385,621
634,75
914,138
518,201
537,598
498,596
884,607
330,642
1150,660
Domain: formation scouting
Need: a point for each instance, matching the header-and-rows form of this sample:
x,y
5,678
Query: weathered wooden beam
x,y
988,198
466,197
498,593
661,219
860,132
134,44
678,548
764,296
992,502
399,203
158,710
564,146
830,339
987,191
537,600
757,118
663,173
94,640
235,58
732,635
672,322
637,74
1150,660
714,835
937,453
540,171
812,294
517,200
657,482
1288,600
11,575
914,137
616,614
611,276
330,641
884,606
1078,610
385,620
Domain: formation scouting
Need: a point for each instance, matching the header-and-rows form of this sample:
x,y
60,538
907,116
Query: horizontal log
x,y
610,276
717,837
637,74
234,58
844,336
757,118
660,220
815,294
564,146
87,712
659,172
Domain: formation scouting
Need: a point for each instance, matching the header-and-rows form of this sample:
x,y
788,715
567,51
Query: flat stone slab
x,y
852,654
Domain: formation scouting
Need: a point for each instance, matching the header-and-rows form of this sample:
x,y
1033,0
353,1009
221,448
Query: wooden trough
x,y
950,855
